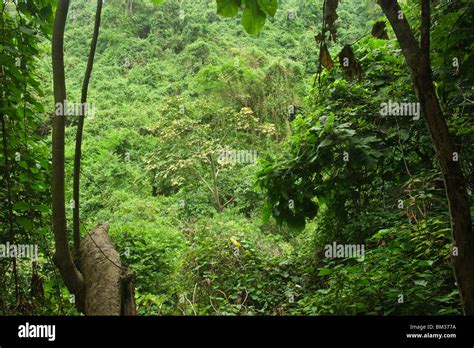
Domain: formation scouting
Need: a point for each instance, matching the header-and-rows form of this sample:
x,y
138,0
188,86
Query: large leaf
x,y
268,6
324,271
253,17
228,8
20,206
325,142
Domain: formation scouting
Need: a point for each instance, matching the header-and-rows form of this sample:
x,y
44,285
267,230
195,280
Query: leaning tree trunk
x,y
418,61
101,285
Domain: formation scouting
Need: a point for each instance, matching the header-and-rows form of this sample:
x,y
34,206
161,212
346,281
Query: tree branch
x,y
402,30
80,127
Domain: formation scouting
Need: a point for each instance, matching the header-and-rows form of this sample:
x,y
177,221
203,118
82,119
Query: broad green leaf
x,y
20,206
324,271
26,30
23,177
426,263
42,208
228,8
253,18
325,142
25,223
268,6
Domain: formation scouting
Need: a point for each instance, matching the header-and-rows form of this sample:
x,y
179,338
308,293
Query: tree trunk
x,y
99,282
109,285
63,259
418,60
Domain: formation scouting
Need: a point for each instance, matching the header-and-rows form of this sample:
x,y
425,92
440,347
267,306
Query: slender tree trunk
x,y
418,60
215,187
80,128
63,259
100,284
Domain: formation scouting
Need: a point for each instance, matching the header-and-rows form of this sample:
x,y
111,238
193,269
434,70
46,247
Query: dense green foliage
x,y
177,85
24,158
